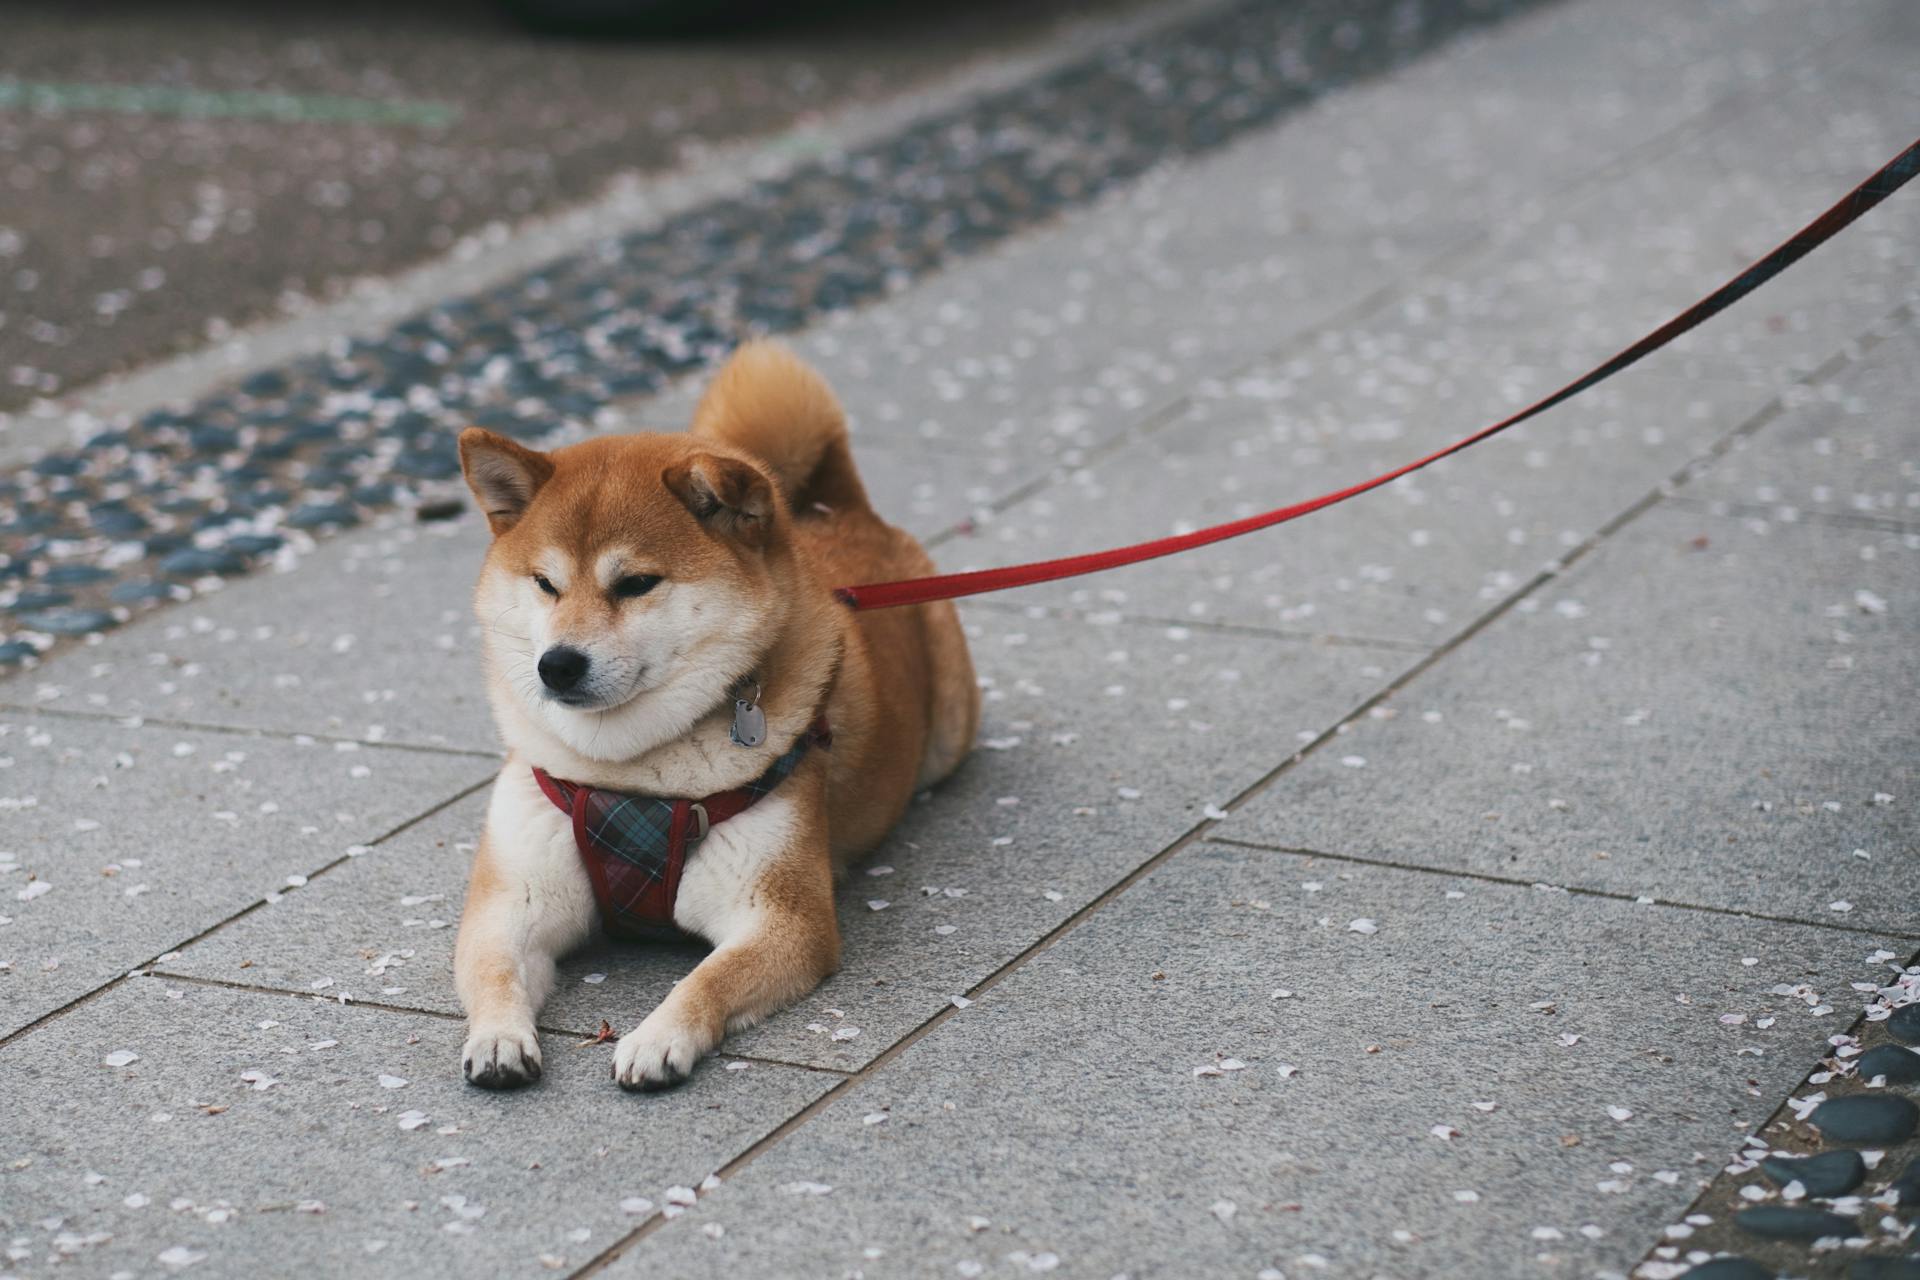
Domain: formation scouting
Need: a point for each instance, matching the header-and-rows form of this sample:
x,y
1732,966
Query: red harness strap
x,y
634,847
628,899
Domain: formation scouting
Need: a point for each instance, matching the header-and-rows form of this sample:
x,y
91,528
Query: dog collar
x,y
635,847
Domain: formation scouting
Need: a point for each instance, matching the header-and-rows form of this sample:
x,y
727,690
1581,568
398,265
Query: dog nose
x,y
561,668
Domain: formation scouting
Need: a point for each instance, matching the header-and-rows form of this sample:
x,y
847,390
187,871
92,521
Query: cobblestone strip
x,y
1830,1184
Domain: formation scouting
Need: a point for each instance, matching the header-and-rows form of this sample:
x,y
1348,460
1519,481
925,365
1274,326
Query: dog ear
x,y
731,497
503,475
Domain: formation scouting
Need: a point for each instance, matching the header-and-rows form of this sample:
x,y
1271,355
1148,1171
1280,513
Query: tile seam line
x,y
1859,522
1850,352
243,731
1696,1205
1074,613
256,905
441,1015
1583,891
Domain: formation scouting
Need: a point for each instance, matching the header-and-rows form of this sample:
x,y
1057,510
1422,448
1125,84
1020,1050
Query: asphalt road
x,y
169,172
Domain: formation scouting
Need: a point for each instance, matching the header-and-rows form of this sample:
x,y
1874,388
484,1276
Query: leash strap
x,y
891,595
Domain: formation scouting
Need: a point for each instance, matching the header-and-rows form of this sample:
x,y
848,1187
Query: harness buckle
x,y
699,812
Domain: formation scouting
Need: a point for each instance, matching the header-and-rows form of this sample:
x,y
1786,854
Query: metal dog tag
x,y
749,723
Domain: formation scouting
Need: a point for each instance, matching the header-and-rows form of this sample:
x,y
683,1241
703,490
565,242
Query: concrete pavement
x,y
1479,879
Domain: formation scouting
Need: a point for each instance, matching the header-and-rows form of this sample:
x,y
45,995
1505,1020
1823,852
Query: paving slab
x,y
1101,745
1627,251
257,1135
1569,278
1581,281
1063,1122
118,842
1851,448
1707,710
371,637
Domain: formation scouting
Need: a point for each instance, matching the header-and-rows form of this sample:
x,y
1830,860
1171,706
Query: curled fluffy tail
x,y
771,403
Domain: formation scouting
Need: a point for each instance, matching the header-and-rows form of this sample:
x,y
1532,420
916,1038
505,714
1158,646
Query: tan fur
x,y
749,520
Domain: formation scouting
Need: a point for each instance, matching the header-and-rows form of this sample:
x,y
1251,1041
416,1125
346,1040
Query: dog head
x,y
633,581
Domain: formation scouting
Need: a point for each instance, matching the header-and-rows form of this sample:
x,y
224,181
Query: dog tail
x,y
771,403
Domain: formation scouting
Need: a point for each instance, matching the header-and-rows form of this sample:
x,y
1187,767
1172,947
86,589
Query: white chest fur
x,y
717,890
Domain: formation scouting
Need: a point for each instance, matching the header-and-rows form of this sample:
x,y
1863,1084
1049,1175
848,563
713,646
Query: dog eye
x,y
544,585
635,585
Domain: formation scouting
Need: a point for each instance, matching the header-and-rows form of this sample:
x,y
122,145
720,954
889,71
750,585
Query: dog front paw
x,y
658,1054
501,1059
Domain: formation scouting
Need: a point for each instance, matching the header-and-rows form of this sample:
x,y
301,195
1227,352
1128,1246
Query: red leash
x,y
889,595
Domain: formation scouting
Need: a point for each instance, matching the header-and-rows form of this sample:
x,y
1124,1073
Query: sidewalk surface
x,y
1488,877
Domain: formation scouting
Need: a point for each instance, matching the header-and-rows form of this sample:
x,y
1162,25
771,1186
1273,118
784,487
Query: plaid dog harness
x,y
635,847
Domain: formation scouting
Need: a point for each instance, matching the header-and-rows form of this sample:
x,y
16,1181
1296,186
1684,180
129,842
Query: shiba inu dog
x,y
698,731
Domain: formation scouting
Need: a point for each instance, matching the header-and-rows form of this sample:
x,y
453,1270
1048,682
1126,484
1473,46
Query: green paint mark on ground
x,y
166,100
